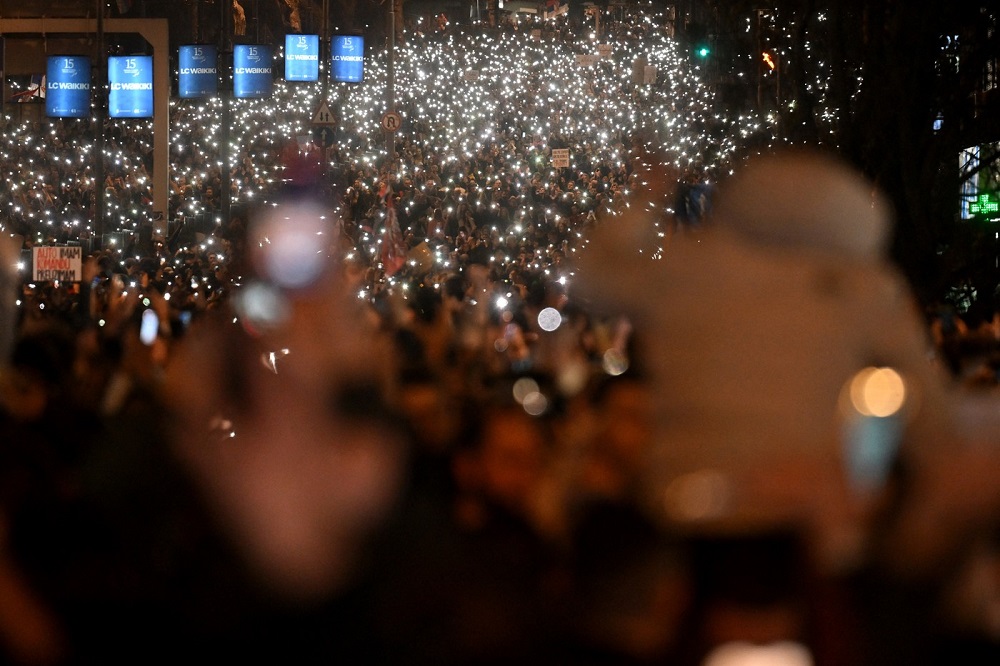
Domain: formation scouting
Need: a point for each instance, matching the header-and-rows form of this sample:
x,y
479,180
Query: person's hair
x,y
808,199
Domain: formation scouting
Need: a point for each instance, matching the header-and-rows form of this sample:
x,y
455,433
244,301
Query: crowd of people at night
x,y
452,403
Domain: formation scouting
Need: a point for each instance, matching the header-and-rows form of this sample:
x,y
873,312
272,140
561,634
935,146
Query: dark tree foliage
x,y
899,89
923,64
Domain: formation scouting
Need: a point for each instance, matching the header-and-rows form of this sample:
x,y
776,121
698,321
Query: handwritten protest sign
x,y
63,263
560,157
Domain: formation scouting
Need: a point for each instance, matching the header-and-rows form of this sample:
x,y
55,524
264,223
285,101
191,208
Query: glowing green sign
x,y
985,204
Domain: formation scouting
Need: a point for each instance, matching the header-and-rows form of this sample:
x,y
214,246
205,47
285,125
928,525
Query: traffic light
x,y
699,39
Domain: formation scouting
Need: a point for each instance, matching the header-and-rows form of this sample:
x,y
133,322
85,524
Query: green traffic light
x,y
703,52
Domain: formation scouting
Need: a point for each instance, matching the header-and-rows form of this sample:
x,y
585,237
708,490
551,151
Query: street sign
x,y
252,71
323,136
67,93
985,204
301,57
130,80
391,121
347,53
198,75
324,116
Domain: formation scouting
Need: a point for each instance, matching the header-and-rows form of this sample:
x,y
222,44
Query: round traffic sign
x,y
391,121
323,136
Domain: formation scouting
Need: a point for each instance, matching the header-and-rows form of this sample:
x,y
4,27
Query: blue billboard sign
x,y
348,52
198,75
252,70
302,57
67,87
130,85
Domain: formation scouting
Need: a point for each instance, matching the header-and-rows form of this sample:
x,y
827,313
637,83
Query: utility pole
x,y
195,22
99,190
757,60
326,63
324,49
390,138
225,176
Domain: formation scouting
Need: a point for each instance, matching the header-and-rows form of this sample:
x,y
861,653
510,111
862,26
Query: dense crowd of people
x,y
479,106
406,408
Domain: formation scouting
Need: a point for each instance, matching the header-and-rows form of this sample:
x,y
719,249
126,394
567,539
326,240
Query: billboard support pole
x,y
390,140
99,190
225,174
326,62
324,50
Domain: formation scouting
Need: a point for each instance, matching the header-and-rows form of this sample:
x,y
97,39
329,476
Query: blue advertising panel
x,y
199,71
348,58
302,57
130,84
252,70
67,88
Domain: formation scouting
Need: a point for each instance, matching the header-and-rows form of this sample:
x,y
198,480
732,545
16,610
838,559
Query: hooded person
x,y
761,323
798,402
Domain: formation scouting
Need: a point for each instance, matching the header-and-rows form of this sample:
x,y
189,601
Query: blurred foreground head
x,y
755,326
281,408
805,199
